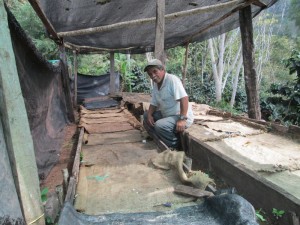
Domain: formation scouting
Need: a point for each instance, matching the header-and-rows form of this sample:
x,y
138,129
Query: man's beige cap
x,y
153,62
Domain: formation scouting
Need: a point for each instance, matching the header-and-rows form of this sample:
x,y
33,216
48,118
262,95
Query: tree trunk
x,y
250,76
218,81
236,81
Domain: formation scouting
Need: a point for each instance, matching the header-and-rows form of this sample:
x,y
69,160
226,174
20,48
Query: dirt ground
x,y
66,158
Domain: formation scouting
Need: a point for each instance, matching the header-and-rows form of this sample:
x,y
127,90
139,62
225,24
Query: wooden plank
x,y
16,129
75,170
129,136
103,115
101,111
191,191
104,128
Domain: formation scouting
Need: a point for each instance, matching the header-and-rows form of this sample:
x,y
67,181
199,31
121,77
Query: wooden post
x,y
66,85
75,77
160,31
16,130
185,63
250,75
112,85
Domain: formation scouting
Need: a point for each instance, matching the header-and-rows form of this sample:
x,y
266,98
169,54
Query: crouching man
x,y
169,112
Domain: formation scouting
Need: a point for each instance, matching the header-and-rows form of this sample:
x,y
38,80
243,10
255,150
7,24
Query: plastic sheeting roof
x,y
128,26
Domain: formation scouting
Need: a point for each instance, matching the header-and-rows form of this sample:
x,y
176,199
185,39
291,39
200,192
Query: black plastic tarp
x,y
89,86
42,90
225,209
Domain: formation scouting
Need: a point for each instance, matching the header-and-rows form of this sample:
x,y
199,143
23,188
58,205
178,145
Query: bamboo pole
x,y
171,16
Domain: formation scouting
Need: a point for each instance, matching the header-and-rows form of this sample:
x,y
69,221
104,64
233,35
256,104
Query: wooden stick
x,y
37,8
185,63
260,4
112,85
171,16
75,77
66,85
92,50
159,48
75,170
190,191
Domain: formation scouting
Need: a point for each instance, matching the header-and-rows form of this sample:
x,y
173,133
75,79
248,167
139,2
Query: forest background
x,y
214,71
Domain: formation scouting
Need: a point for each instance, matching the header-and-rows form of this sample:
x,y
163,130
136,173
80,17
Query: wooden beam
x,y
260,4
37,8
84,49
185,63
171,16
75,77
16,130
251,86
112,83
66,83
75,170
159,49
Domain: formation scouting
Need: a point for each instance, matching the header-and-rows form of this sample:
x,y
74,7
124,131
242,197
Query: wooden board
x,y
129,136
190,191
105,128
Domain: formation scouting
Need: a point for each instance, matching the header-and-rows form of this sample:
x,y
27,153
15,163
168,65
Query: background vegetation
x,y
214,75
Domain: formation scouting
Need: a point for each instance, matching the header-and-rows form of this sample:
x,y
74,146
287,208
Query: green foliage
x,y
278,213
93,64
259,214
81,156
293,63
124,64
142,82
44,193
294,12
34,28
48,221
283,105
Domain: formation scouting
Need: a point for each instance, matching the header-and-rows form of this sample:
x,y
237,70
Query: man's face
x,y
157,75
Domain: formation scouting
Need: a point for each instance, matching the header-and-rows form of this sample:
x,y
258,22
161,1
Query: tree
x,y
224,55
294,12
34,28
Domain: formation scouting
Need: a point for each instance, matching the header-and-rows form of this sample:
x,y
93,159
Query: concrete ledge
x,y
255,188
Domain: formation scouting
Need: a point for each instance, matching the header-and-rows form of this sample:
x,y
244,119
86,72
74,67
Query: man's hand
x,y
180,125
150,120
